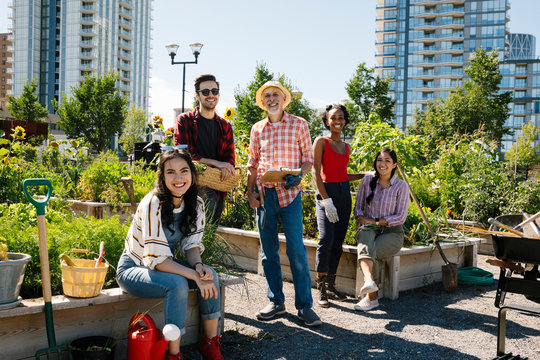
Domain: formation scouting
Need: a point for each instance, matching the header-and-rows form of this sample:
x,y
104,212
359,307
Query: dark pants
x,y
332,235
213,205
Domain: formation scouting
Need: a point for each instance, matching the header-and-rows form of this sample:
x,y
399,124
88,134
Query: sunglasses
x,y
206,92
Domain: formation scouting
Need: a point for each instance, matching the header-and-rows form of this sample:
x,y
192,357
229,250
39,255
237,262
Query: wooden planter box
x,y
485,248
410,268
23,329
99,209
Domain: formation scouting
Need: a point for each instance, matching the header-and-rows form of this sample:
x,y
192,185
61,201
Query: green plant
x,y
65,231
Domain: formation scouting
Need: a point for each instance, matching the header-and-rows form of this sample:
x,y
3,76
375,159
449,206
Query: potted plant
x,y
12,267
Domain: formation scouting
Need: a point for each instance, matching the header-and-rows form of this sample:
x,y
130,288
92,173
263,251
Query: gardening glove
x,y
292,181
330,210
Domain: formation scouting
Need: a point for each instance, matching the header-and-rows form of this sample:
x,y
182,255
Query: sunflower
x,y
245,144
19,132
229,113
54,144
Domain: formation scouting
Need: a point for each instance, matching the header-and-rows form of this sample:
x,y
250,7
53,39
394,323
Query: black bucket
x,y
93,348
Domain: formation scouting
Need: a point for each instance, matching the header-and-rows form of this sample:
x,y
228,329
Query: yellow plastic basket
x,y
83,280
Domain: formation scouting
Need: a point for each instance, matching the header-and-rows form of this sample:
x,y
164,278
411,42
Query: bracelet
x,y
197,263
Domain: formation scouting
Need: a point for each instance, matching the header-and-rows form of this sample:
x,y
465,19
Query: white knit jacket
x,y
146,243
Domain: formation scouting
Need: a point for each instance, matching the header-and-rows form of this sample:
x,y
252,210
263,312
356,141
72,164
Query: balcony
x,y
124,65
88,32
87,55
126,24
89,9
127,3
125,34
127,13
125,55
87,20
87,43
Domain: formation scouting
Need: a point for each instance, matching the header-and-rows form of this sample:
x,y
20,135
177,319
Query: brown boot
x,y
321,286
331,291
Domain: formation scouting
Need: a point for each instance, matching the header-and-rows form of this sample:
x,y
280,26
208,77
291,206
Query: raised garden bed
x,y
410,268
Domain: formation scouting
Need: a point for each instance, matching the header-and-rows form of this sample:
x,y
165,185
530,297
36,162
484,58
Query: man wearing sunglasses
x,y
209,139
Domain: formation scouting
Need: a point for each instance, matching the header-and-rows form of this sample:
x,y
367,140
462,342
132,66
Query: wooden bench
x,y
23,331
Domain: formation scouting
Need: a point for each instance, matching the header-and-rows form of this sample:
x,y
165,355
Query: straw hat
x,y
276,84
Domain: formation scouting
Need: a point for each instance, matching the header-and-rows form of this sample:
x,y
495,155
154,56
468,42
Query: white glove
x,y
330,210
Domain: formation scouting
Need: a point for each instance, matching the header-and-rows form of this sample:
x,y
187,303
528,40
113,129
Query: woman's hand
x,y
207,288
204,272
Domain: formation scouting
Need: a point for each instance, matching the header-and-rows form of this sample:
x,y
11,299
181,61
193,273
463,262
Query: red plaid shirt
x,y
186,132
285,144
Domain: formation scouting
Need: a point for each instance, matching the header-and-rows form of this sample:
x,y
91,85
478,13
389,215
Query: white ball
x,y
171,332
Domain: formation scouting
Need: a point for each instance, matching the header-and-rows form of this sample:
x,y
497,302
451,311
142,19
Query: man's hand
x,y
254,199
292,181
227,170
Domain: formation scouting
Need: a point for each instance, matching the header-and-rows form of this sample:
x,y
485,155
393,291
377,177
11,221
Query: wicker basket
x,y
211,178
83,280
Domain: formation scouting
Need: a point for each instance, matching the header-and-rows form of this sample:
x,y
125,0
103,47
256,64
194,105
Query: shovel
x,y
449,270
53,351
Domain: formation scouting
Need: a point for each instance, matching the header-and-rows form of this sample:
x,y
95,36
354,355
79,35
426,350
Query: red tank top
x,y
334,165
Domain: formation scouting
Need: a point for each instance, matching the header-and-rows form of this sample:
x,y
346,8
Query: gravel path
x,y
425,323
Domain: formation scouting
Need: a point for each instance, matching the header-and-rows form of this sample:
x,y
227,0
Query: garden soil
x,y
425,323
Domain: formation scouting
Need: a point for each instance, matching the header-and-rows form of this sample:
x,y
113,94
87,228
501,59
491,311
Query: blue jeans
x,y
291,220
143,282
332,235
213,205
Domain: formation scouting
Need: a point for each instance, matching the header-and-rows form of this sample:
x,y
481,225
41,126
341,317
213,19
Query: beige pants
x,y
379,244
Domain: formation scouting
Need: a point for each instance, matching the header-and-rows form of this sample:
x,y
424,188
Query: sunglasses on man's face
x,y
206,92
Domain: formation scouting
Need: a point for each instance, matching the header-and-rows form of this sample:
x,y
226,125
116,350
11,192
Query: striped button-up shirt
x,y
285,144
390,203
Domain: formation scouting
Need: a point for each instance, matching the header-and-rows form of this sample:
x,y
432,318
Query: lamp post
x,y
172,49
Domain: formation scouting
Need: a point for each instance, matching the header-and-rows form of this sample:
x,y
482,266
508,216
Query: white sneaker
x,y
365,304
369,287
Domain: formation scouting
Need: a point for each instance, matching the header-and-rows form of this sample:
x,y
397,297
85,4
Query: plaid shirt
x,y
390,203
186,131
285,144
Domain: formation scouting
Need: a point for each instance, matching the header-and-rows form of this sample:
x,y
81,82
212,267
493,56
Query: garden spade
x,y
449,270
54,351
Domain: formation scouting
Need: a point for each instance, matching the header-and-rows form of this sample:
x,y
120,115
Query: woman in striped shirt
x,y
380,209
170,218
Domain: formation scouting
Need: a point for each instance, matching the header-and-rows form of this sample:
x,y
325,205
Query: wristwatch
x,y
376,221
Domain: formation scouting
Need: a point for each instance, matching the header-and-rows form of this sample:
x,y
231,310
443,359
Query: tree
x,y
96,111
476,105
248,112
27,107
135,126
369,94
523,152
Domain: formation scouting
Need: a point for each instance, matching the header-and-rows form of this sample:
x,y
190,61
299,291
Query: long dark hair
x,y
373,182
189,219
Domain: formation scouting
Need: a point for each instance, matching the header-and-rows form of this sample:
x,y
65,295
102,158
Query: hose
x,y
471,275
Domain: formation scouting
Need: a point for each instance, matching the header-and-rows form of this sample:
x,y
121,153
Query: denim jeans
x,y
332,235
291,220
143,282
213,205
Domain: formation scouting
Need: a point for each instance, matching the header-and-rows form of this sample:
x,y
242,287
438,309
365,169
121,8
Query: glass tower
x,y
60,41
424,45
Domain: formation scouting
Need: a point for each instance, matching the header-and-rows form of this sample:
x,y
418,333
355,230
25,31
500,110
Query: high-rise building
x,y
425,44
5,68
58,42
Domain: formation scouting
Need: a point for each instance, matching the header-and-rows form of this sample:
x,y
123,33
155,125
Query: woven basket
x,y
83,280
211,178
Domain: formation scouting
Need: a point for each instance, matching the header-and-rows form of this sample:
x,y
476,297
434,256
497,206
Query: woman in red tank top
x,y
331,157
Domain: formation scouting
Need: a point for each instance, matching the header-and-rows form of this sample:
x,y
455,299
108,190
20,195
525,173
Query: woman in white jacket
x,y
168,218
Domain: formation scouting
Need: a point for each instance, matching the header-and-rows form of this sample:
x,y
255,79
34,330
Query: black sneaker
x,y
309,317
270,311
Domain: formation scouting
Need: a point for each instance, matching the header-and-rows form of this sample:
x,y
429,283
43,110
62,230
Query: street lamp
x,y
172,49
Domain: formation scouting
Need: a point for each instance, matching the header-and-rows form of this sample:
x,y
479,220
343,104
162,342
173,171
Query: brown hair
x,y
203,78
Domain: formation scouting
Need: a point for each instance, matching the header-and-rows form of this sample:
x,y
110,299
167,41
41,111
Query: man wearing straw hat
x,y
280,141
209,139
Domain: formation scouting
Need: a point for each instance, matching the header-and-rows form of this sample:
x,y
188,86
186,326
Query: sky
x,y
317,44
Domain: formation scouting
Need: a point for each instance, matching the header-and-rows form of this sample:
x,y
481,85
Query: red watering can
x,y
145,342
